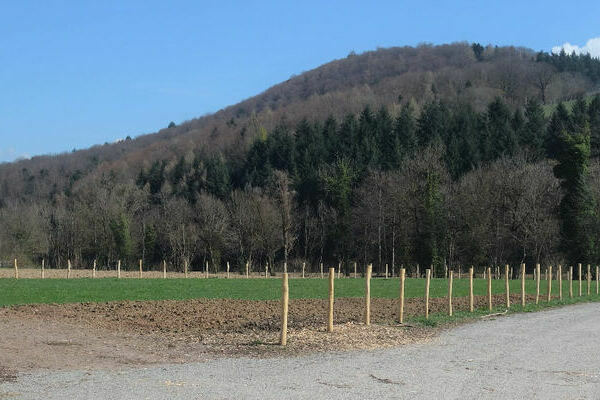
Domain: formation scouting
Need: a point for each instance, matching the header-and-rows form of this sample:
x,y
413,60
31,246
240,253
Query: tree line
x,y
438,185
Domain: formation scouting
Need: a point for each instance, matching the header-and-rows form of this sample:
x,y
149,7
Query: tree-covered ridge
x,y
432,185
460,73
584,64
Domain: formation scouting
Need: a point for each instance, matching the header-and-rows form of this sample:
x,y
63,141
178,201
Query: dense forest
x,y
437,155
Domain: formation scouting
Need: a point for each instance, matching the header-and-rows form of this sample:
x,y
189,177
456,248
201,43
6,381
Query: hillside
x,y
435,155
382,77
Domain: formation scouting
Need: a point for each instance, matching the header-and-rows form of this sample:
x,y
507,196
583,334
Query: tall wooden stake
x,y
489,287
580,273
386,271
339,269
248,268
549,283
589,280
206,269
559,277
537,283
471,305
119,269
450,275
284,271
507,286
266,270
303,267
94,269
68,269
523,285
140,268
570,282
331,297
321,270
427,282
164,269
401,304
368,295
355,270
16,269
284,309
43,272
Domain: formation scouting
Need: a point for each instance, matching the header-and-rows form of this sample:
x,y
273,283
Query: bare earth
x,y
550,354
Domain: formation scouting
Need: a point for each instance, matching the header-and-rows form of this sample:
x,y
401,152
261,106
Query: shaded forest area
x,y
449,160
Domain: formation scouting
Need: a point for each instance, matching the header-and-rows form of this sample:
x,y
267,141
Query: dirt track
x,y
103,335
550,354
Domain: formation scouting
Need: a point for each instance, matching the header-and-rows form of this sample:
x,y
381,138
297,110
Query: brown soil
x,y
106,335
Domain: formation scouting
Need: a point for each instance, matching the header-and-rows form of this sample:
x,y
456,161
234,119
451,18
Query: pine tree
x,y
532,137
577,208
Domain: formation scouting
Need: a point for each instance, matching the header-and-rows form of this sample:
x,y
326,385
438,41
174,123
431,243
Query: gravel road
x,y
551,355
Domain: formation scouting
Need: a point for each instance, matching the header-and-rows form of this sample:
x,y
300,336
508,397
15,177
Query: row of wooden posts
x,y
400,315
185,269
487,272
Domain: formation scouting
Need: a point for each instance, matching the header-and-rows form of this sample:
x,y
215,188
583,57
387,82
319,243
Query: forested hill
x,y
463,73
430,155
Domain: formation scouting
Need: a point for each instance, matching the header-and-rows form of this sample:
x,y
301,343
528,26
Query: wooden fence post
x,y
94,269
418,271
331,296
354,269
248,272
506,271
427,282
164,269
206,269
266,270
140,268
284,308
386,271
580,273
571,281
537,283
303,267
549,283
589,280
43,272
284,271
523,285
489,287
471,305
339,269
321,270
119,269
401,305
68,269
559,277
16,269
450,275
368,295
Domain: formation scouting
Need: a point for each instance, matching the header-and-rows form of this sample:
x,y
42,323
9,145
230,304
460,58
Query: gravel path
x,y
551,355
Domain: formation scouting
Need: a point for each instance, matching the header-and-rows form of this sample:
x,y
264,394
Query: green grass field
x,y
31,291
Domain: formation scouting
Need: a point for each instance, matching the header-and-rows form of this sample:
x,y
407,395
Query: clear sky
x,y
77,73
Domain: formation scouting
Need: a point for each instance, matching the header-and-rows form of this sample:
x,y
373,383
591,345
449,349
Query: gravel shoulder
x,y
550,354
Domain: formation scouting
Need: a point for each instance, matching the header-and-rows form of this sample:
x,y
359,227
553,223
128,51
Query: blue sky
x,y
77,73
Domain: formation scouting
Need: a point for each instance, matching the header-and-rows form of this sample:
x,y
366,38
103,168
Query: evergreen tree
x,y
594,118
389,151
578,218
532,137
560,122
501,133
405,131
